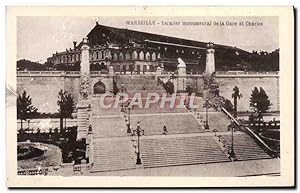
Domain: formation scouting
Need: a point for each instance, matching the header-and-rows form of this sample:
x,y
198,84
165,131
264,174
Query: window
x,y
134,55
105,54
100,55
158,55
94,56
115,56
121,56
147,56
141,55
153,56
127,56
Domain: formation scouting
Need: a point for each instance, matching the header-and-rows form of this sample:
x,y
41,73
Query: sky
x,y
39,37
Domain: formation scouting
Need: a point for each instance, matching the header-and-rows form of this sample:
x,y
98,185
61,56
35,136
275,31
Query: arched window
x,y
99,88
105,54
127,56
153,56
147,56
121,56
158,55
94,56
100,55
77,57
118,68
109,54
115,56
141,55
134,55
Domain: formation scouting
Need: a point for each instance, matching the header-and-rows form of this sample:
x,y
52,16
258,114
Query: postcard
x,y
150,96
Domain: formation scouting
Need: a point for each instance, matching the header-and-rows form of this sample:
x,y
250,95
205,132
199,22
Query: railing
x,y
80,168
33,171
39,72
247,73
250,132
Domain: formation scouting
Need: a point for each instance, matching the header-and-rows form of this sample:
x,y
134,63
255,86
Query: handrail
x,y
249,130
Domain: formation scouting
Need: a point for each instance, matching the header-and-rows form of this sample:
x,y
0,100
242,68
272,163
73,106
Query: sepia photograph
x,y
149,96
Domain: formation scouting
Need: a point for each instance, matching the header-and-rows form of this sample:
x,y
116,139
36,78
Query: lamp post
x,y
129,109
122,97
28,121
206,105
231,153
138,132
128,125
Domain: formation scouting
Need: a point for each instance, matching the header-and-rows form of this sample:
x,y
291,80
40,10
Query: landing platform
x,y
269,167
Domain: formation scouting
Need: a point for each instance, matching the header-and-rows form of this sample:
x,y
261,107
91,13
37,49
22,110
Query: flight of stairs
x,y
109,127
246,148
162,152
83,122
175,123
100,111
139,82
112,155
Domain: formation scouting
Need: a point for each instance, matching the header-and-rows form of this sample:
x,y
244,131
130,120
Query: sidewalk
x,y
225,169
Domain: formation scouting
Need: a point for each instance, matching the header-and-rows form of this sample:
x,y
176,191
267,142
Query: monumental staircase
x,y
139,82
246,148
112,154
177,151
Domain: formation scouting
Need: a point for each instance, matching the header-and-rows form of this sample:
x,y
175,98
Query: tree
x,y
115,86
66,106
228,106
254,98
189,90
169,87
235,95
25,109
259,101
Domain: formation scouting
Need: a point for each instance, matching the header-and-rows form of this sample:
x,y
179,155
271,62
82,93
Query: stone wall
x,y
246,85
42,90
43,87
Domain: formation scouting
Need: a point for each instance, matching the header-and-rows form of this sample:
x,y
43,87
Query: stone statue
x,y
85,87
181,63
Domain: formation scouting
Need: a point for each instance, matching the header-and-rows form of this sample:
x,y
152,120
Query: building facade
x,y
129,50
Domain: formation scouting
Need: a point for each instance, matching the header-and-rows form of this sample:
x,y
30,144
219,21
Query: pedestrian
x,y
165,131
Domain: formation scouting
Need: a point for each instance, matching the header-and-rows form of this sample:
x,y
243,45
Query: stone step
x,y
186,162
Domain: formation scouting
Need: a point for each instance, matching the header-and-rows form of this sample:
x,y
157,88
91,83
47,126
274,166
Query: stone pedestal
x,y
181,80
158,73
110,84
82,120
210,60
90,146
85,61
84,101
